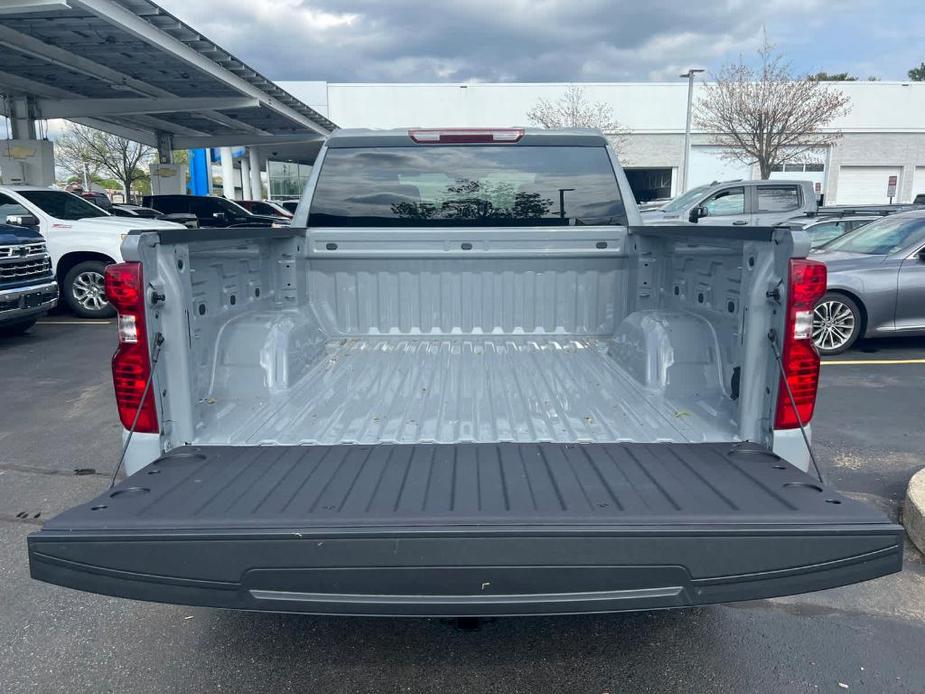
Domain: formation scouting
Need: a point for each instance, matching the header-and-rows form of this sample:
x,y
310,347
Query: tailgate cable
x,y
155,353
772,336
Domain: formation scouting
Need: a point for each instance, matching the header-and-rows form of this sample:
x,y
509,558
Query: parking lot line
x,y
873,362
74,322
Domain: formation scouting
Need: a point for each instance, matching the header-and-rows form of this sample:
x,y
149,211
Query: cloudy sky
x,y
553,40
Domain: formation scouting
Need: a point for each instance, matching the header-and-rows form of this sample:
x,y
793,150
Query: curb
x,y
914,510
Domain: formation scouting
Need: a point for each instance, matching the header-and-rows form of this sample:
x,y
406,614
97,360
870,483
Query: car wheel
x,y
84,292
17,328
836,323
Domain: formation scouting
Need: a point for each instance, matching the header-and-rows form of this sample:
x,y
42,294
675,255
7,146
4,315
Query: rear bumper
x,y
469,573
24,302
465,530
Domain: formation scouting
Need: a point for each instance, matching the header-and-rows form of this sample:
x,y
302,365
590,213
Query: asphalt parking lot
x,y
58,415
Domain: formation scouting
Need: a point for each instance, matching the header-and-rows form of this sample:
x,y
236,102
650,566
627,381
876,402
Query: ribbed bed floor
x,y
449,390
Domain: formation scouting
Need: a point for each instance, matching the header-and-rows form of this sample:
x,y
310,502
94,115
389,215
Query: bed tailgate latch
x,y
156,296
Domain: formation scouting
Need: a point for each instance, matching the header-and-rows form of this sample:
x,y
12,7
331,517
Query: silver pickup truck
x,y
738,203
466,381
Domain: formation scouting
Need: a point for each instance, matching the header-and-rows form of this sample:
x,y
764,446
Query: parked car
x,y
82,240
821,230
265,207
738,203
876,210
876,285
210,210
507,403
27,284
101,200
289,205
121,209
125,210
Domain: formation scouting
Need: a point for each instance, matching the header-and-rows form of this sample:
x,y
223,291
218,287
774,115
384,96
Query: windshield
x,y
467,186
882,237
679,204
61,205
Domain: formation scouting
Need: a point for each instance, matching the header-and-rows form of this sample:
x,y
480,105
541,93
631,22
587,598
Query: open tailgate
x,y
467,529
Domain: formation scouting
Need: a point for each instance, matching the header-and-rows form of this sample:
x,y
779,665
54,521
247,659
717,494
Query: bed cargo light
x,y
457,136
131,364
807,284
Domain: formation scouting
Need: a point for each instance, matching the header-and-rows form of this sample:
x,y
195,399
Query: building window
x,y
287,179
799,168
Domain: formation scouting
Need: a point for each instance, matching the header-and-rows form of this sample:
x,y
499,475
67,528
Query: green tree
x,y
109,154
917,74
77,159
833,77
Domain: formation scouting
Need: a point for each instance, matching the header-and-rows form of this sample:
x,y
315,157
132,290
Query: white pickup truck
x,y
82,240
467,381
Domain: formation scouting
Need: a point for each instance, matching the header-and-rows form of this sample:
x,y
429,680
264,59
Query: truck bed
x,y
447,390
475,529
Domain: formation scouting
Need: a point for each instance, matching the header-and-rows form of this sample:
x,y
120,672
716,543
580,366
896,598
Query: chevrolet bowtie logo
x,y
22,251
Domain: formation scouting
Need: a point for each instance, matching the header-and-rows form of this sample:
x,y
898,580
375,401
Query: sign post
x,y
891,188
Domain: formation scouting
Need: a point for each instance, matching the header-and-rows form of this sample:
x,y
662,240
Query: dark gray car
x,y
876,283
827,229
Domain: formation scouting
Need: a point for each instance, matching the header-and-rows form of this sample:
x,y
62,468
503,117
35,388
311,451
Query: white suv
x,y
82,240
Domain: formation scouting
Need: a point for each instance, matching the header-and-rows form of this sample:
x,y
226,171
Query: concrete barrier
x,y
914,510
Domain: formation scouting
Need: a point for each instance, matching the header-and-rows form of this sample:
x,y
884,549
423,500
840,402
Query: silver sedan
x,y
876,283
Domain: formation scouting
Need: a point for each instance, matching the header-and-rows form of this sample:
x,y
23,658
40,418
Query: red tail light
x,y
801,360
131,364
462,136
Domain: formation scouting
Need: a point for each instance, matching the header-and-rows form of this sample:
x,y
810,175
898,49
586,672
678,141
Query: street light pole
x,y
686,160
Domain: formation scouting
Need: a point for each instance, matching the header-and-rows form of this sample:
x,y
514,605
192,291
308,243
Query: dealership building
x,y
883,136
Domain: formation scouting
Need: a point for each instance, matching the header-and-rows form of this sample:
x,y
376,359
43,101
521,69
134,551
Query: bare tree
x,y
120,158
74,156
573,110
765,115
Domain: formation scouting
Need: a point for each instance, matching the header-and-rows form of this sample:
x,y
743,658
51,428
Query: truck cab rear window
x,y
492,185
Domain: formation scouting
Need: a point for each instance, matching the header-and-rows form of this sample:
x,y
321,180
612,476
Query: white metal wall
x,y
708,165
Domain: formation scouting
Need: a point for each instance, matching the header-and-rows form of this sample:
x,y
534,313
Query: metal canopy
x,y
129,67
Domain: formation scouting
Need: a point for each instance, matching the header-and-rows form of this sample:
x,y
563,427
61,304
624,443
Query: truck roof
x,y
400,137
758,182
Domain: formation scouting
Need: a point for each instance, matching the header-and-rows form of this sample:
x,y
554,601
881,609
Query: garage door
x,y
865,185
918,183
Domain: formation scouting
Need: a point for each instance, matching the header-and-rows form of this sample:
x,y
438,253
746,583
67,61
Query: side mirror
x,y
220,216
23,220
698,212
